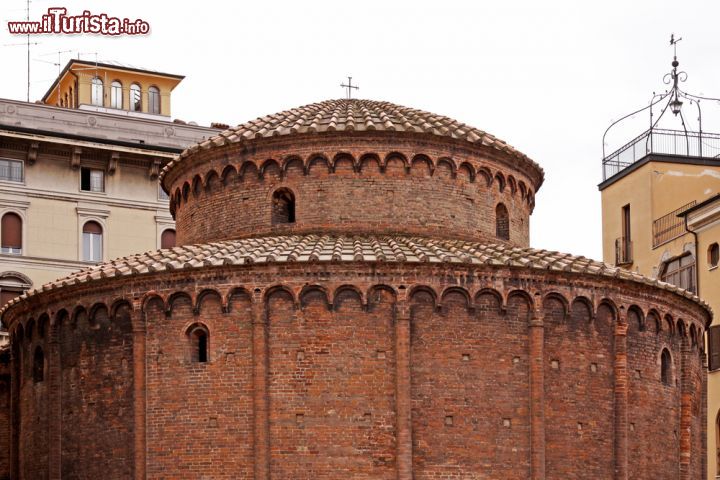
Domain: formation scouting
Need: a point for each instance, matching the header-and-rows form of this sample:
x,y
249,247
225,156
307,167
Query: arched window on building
x,y
713,255
665,367
680,271
96,94
72,98
153,100
13,284
167,239
38,365
92,236
199,337
11,226
116,100
283,207
135,98
502,222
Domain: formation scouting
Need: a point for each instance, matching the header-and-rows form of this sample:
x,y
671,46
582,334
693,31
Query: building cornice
x,y
100,200
46,263
659,158
100,128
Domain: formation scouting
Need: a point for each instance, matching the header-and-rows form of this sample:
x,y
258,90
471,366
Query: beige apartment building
x,y
661,217
78,172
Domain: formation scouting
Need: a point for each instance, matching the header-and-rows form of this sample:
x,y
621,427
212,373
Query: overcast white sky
x,y
545,76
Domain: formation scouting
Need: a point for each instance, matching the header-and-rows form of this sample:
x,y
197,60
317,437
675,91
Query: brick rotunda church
x,y
354,298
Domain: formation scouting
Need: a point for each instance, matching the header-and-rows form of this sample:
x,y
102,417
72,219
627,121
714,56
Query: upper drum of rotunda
x,y
353,166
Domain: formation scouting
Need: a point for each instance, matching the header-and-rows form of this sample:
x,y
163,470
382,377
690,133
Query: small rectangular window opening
x,y
91,180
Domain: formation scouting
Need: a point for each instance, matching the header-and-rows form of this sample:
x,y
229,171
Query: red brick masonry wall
x,y
363,185
313,367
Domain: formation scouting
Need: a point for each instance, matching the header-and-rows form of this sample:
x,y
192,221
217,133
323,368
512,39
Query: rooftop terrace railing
x,y
664,142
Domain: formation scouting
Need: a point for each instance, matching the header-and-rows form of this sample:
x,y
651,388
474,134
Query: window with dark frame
x,y
199,344
283,207
92,180
502,222
665,367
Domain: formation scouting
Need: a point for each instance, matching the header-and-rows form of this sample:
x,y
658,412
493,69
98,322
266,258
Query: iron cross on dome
x,y
349,87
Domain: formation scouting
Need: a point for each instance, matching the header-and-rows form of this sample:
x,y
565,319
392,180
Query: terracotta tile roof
x,y
351,115
333,248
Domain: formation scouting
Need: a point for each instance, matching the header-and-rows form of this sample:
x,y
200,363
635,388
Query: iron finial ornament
x,y
656,139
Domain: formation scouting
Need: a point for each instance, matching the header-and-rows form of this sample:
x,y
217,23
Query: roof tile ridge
x,y
377,248
414,245
396,249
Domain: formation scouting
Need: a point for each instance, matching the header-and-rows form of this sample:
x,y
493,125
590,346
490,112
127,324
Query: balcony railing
x,y
670,226
665,142
623,251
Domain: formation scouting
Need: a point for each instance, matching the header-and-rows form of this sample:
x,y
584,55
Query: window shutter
x,y
167,240
92,227
11,231
7,295
714,347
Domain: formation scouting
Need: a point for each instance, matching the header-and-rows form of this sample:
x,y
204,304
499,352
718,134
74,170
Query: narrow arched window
x,y
38,365
96,94
11,234
167,239
665,367
283,207
199,344
116,94
502,222
92,235
153,100
72,98
135,98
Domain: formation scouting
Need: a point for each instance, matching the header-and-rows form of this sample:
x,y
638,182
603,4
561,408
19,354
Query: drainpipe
x,y
697,256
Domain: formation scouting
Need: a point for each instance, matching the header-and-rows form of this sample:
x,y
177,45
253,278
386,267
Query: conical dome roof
x,y
353,115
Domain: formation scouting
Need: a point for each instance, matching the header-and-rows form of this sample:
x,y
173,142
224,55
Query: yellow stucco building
x,y
78,172
661,217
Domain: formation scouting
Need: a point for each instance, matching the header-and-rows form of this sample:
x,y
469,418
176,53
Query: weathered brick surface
x,y
331,385
199,415
96,393
5,387
578,380
371,185
457,401
449,361
34,395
